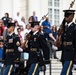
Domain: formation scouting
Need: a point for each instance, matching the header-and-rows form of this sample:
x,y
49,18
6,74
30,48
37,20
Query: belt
x,y
67,43
33,49
17,60
9,50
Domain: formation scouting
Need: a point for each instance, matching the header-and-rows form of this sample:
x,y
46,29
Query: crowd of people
x,y
14,32
21,29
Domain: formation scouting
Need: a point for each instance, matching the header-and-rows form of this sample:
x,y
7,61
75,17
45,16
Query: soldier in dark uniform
x,y
36,44
11,50
68,44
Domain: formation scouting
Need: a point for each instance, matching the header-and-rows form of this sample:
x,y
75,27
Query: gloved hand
x,y
54,47
16,65
20,49
2,64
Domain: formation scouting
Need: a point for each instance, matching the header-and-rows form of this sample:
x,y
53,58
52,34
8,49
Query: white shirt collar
x,y
35,32
10,34
69,23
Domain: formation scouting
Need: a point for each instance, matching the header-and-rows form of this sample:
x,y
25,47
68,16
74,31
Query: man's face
x,y
19,31
10,29
34,13
69,18
17,13
35,28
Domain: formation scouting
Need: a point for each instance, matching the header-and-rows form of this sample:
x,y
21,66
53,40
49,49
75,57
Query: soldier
x,y
68,44
11,50
36,44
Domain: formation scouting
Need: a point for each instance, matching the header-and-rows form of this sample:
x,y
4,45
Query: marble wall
x,y
26,7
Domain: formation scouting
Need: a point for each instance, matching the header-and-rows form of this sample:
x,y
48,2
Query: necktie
x,y
66,27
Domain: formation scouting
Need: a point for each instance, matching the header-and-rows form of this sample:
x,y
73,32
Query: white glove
x,y
74,66
2,65
16,65
54,47
20,49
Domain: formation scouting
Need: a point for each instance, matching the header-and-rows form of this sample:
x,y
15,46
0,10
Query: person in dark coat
x,y
11,50
5,19
33,18
68,43
37,48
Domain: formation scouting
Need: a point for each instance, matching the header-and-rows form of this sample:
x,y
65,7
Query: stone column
x,y
20,6
40,6
6,6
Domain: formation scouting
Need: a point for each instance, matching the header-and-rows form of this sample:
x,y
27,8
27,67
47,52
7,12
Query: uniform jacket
x,y
69,50
11,54
38,43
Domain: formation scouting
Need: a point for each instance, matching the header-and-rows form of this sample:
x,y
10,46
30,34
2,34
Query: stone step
x,y
58,54
56,66
55,72
56,62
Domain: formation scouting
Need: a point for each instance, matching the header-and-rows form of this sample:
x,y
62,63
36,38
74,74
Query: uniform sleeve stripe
x,y
35,69
67,73
10,69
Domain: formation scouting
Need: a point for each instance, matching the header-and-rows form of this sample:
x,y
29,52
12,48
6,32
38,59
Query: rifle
x,y
44,16
27,38
62,27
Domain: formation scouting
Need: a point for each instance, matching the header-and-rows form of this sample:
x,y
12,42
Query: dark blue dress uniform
x,y
36,44
11,55
68,46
